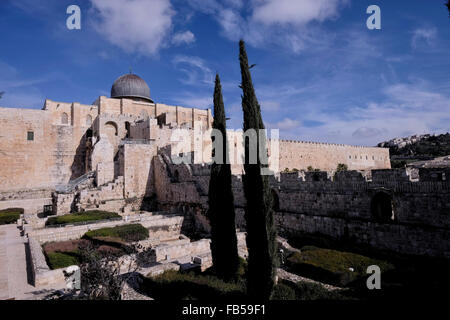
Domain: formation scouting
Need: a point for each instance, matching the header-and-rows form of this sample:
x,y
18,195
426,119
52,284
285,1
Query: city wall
x,y
385,210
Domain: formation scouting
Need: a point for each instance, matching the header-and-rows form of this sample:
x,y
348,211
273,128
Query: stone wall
x,y
32,201
387,209
160,227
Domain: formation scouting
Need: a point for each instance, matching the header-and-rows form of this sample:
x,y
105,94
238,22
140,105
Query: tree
x,y
221,201
341,167
104,273
1,94
448,6
261,233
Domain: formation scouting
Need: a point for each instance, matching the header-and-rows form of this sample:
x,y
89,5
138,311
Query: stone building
x,y
118,155
44,149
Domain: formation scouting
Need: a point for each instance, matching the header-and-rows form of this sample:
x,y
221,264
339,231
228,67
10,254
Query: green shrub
x,y
126,233
175,285
331,266
283,292
58,260
81,217
10,215
314,291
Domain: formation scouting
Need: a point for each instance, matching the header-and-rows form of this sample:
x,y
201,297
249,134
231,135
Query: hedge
x,y
332,266
81,217
58,260
126,233
175,285
10,215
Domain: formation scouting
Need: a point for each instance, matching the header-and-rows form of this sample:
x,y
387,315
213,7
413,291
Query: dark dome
x,y
131,86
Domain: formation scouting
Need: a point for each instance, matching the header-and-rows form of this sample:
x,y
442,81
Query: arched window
x,y
111,126
89,120
64,118
127,129
382,208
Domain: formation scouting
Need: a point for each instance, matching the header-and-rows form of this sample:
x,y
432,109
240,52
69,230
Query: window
x,y
64,118
30,136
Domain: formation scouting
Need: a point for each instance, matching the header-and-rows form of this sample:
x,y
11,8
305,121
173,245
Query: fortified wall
x,y
400,210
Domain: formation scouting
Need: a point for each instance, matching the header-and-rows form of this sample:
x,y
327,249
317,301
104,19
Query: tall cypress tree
x,y
261,233
221,201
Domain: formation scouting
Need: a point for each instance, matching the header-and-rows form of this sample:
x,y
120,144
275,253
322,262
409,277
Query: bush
x,y
283,292
175,285
125,233
58,260
11,215
314,291
331,266
81,217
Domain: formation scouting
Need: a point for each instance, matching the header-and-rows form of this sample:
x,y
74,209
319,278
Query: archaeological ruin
x,y
117,155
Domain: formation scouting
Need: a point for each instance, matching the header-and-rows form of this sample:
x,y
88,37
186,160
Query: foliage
x,y
221,202
58,260
341,167
283,292
175,285
332,266
100,276
93,215
126,233
10,215
432,146
311,169
261,233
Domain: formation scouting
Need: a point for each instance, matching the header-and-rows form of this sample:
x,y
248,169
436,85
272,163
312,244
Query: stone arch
x,y
89,120
64,118
382,207
127,129
111,126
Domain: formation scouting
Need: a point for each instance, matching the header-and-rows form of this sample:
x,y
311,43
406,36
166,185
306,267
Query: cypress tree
x,y
221,202
261,233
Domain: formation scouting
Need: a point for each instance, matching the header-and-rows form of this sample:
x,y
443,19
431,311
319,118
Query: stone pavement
x,y
13,265
15,278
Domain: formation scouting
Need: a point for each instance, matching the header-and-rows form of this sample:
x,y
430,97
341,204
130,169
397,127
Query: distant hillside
x,y
418,147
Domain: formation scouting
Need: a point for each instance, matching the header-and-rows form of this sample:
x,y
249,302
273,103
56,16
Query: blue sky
x,y
320,74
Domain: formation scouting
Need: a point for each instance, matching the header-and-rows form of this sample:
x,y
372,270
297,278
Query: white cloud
x,y
140,26
270,106
406,108
195,69
423,36
285,125
183,37
269,12
272,22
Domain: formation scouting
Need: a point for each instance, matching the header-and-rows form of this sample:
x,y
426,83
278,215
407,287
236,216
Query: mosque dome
x,y
131,86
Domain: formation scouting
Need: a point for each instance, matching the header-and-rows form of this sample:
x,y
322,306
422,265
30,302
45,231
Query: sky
x,y
320,74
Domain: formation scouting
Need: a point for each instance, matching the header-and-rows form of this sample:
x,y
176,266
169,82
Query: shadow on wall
x,y
78,167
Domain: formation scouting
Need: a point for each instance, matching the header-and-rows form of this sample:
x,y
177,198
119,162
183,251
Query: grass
x,y
58,260
332,266
10,215
286,290
173,285
81,217
123,233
